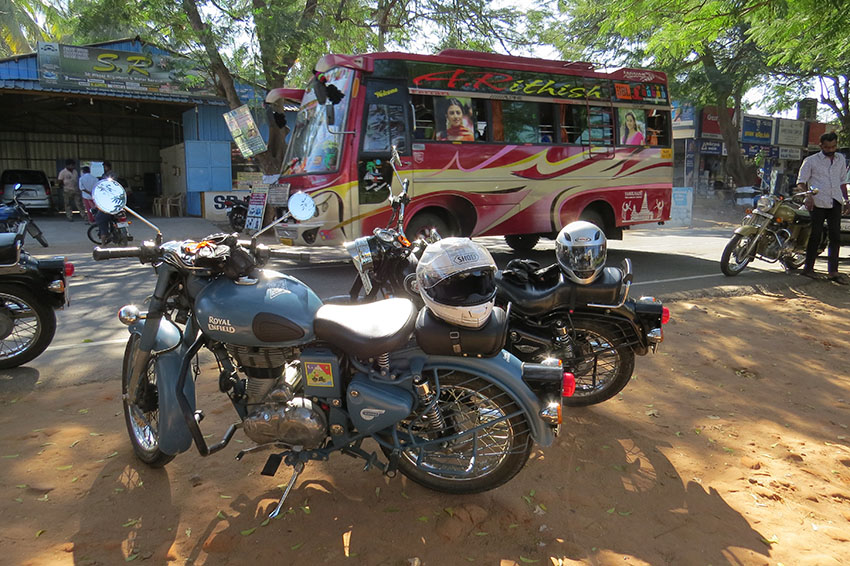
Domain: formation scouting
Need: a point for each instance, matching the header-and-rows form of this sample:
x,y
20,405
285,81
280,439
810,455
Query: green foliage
x,y
23,23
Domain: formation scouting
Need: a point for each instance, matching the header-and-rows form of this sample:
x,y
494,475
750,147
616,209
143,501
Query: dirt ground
x,y
729,446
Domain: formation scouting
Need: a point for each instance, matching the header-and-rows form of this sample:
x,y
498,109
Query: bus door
x,y
386,120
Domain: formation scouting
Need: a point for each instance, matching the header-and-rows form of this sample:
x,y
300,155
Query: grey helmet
x,y
457,281
581,249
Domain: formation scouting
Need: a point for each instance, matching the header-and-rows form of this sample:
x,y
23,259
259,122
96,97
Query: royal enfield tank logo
x,y
369,414
466,258
221,325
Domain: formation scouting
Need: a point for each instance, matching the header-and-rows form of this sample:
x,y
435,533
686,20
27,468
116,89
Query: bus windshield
x,y
313,145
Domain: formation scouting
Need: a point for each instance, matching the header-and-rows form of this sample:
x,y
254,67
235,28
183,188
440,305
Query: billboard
x,y
83,68
757,130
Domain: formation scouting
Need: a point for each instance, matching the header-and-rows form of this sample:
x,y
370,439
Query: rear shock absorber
x,y
433,416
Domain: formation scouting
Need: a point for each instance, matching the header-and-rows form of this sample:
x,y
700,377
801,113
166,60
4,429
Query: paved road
x,y
668,263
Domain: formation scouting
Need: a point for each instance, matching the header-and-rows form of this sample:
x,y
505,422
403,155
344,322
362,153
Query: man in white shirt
x,y
68,179
87,183
825,171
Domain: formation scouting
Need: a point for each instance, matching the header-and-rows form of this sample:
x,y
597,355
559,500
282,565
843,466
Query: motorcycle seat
x,y
10,245
367,330
535,300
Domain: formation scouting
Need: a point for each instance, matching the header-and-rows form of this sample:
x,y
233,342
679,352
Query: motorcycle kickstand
x,y
296,470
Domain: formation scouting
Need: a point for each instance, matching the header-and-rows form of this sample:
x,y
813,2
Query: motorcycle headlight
x,y
765,203
361,254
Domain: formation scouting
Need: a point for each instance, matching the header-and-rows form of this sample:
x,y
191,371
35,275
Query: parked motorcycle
x,y
596,330
777,229
237,211
30,289
317,378
14,218
118,233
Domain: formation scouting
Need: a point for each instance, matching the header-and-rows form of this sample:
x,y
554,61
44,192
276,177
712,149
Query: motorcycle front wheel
x,y
601,363
27,326
734,258
474,438
141,409
237,221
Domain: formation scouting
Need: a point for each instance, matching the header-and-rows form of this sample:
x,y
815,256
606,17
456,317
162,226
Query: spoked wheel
x,y
237,221
734,258
141,409
475,437
92,234
26,326
602,363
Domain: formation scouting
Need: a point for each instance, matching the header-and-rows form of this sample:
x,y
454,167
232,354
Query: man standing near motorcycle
x,y
825,170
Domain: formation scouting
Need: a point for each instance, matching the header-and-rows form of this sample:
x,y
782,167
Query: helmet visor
x,y
585,260
464,289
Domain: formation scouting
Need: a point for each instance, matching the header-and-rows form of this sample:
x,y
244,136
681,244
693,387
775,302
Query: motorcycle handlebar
x,y
100,254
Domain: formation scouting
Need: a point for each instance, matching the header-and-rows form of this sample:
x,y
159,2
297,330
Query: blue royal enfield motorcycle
x,y
308,379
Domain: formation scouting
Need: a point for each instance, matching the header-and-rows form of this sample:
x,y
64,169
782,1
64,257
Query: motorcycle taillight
x,y
665,315
69,269
568,385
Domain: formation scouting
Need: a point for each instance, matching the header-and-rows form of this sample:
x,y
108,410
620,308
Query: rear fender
x,y
504,370
174,435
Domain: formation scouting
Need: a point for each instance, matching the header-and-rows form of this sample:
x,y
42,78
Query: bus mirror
x,y
320,90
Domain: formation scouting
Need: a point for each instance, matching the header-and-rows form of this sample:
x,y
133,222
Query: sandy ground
x,y
729,446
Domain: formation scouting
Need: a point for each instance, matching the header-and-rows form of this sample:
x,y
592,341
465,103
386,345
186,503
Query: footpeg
x,y
296,470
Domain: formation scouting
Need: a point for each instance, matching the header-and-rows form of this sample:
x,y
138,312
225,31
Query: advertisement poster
x,y
756,130
244,131
710,124
77,68
683,115
256,208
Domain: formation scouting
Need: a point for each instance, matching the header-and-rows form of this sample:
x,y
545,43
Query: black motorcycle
x,y
596,330
118,232
14,218
30,289
237,211
319,378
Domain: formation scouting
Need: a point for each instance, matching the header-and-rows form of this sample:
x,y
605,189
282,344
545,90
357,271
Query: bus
x,y
491,144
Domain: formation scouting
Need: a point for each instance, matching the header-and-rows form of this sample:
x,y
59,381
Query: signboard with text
x,y
790,132
756,130
80,68
710,124
256,209
244,130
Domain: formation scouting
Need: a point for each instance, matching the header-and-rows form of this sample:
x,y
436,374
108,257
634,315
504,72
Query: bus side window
x,y
573,123
546,128
479,110
516,122
657,127
600,130
423,108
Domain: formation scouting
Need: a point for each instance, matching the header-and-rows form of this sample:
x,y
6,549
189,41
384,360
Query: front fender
x,y
747,230
505,370
174,435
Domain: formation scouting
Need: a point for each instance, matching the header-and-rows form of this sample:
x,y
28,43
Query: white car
x,y
35,188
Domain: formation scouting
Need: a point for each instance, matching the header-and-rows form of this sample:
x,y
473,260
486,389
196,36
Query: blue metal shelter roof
x,y
20,73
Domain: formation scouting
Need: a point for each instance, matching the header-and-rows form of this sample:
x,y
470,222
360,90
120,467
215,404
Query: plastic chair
x,y
156,206
175,204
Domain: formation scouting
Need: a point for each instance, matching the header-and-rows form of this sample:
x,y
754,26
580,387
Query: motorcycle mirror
x,y
109,196
301,206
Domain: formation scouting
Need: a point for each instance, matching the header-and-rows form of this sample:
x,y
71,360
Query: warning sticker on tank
x,y
318,374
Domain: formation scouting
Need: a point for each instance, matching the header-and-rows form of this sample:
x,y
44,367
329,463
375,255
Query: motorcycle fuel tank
x,y
276,311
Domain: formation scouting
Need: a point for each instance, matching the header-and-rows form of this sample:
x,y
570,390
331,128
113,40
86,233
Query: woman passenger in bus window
x,y
631,128
458,122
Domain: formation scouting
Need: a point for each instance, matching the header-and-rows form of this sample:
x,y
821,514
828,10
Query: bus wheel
x,y
522,242
421,225
594,218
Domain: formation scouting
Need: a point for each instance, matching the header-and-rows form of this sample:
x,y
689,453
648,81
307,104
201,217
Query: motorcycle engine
x,y
776,244
275,414
281,417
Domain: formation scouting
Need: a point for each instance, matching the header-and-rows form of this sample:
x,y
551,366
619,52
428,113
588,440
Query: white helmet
x,y
581,249
457,281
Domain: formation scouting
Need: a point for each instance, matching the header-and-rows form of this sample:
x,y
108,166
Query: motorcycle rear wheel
x,y
731,263
141,409
123,237
93,235
601,367
27,326
474,462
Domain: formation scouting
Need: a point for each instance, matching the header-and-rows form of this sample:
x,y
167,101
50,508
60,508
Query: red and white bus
x,y
492,145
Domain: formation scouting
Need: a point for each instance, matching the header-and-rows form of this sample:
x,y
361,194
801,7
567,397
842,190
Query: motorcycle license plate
x,y
286,241
122,224
845,224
